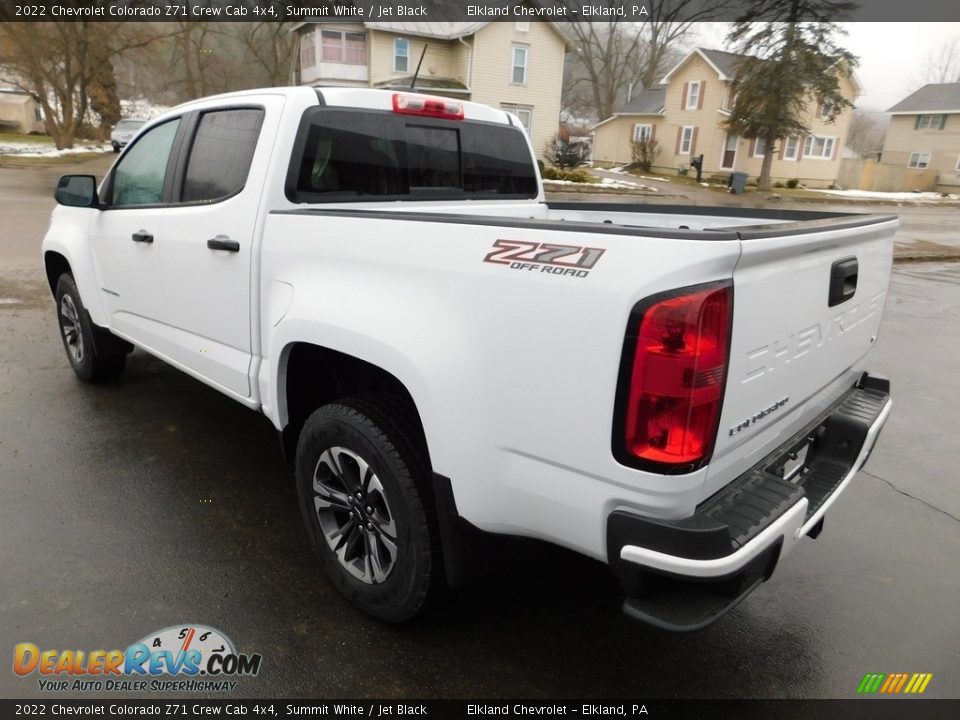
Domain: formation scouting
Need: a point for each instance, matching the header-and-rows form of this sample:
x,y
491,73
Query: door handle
x,y
222,242
143,236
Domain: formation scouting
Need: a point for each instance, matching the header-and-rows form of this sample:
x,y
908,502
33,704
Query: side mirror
x,y
77,191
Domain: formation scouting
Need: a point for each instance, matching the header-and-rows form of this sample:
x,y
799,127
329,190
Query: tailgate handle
x,y
843,280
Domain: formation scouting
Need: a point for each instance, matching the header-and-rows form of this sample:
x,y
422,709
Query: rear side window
x,y
221,154
346,155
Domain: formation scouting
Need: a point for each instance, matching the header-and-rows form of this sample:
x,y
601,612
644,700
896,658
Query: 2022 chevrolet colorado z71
x,y
679,392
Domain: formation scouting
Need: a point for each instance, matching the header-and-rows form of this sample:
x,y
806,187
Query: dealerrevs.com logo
x,y
200,658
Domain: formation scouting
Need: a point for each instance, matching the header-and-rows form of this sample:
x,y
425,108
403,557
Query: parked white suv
x,y
679,392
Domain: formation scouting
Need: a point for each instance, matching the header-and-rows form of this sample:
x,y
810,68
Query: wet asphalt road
x,y
155,501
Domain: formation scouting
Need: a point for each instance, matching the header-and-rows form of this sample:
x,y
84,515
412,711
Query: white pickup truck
x,y
679,392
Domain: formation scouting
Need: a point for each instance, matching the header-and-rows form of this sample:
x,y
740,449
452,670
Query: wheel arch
x,y
55,264
311,375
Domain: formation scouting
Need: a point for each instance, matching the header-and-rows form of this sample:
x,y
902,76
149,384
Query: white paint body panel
x,y
513,373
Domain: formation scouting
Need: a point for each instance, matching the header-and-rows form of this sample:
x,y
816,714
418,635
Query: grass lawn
x,y
15,137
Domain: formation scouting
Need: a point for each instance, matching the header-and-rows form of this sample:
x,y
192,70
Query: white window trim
x,y
686,140
688,105
930,125
639,127
812,139
755,153
957,168
910,164
522,27
397,56
786,149
514,66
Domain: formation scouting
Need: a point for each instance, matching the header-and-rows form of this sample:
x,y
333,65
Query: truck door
x,y
208,240
126,235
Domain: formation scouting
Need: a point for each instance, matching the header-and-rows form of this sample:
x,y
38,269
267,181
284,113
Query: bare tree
x,y
942,64
605,63
269,47
670,24
865,134
615,59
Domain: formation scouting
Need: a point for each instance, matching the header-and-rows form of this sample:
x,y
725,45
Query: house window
x,y
519,76
38,116
931,122
308,50
919,161
523,27
686,140
401,55
790,148
693,95
759,147
524,112
826,110
957,168
818,148
343,47
642,133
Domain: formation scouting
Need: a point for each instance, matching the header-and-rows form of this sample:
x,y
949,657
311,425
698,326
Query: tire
x,y
363,482
77,335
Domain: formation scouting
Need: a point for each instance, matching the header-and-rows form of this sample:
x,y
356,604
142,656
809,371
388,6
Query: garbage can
x,y
738,183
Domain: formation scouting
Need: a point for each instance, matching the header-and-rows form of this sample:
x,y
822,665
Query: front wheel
x,y
365,496
77,335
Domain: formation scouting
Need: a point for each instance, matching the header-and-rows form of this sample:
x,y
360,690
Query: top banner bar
x,y
441,11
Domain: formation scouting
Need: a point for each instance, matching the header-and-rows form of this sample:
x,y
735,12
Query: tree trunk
x,y
769,147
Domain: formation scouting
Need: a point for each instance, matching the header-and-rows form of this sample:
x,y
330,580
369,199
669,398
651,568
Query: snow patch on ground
x,y
36,150
605,183
141,109
870,194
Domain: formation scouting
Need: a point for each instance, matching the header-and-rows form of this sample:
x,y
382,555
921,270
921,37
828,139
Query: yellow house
x,y
685,115
515,66
924,132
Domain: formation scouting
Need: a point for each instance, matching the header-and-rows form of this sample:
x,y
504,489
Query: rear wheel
x,y
364,491
77,335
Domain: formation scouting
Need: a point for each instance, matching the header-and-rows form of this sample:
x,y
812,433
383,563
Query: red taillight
x,y
678,376
427,106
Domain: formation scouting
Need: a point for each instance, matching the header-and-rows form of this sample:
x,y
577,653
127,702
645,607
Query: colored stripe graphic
x,y
894,683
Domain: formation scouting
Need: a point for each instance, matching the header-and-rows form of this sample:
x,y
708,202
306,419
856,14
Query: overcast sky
x,y
891,55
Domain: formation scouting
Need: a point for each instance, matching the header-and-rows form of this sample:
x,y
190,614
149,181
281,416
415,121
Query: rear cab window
x,y
345,155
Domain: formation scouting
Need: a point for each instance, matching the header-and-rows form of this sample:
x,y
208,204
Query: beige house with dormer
x,y
685,115
515,66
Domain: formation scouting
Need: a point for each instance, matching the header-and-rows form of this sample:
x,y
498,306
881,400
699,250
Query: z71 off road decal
x,y
572,260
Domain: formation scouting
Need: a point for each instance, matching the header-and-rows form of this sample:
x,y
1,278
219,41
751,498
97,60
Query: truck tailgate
x,y
807,310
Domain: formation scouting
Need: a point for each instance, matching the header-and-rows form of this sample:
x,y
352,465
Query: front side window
x,y
759,147
693,95
519,76
919,161
140,174
221,154
686,141
362,156
818,148
401,55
